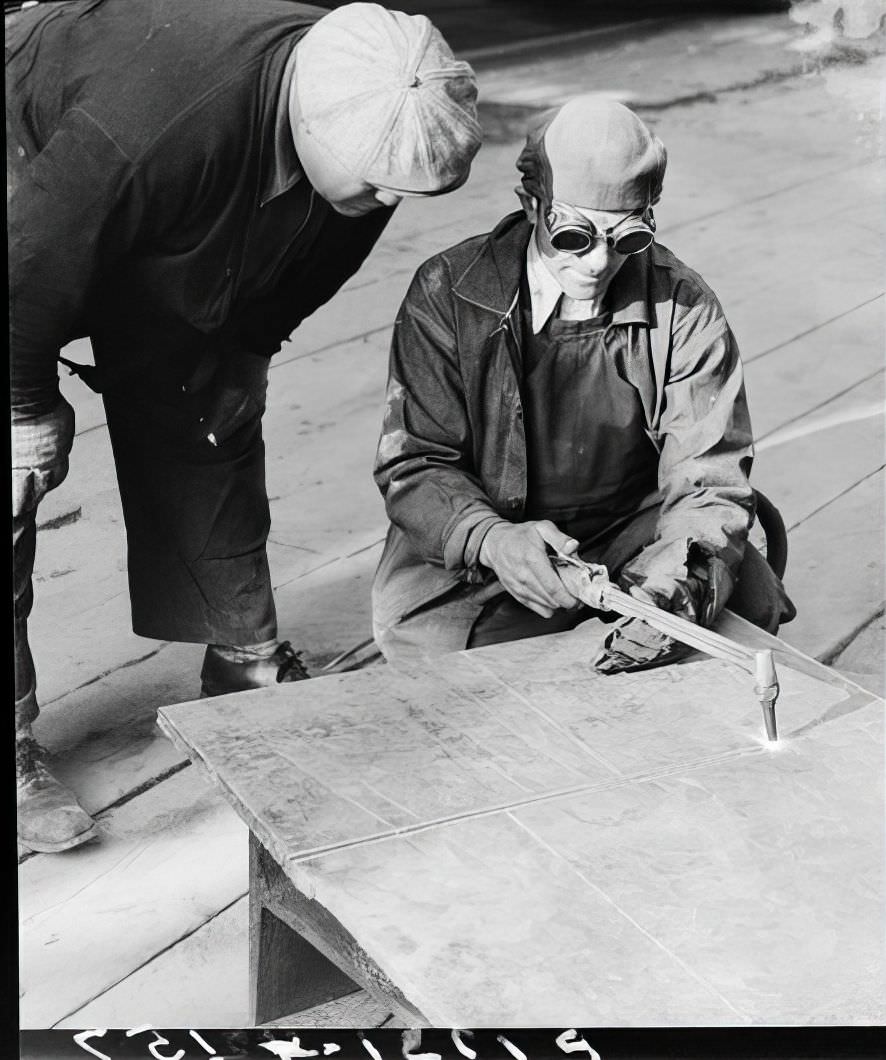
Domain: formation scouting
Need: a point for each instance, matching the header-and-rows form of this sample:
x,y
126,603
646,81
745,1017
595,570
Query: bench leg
x,y
286,973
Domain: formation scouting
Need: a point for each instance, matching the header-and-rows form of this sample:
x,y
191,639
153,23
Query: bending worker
x,y
188,182
566,383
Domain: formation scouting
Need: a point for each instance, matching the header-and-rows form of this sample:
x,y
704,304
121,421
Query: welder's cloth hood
x,y
593,153
381,94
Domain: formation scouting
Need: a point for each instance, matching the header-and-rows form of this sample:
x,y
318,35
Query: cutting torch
x,y
592,586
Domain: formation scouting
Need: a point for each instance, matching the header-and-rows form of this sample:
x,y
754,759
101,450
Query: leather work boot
x,y
220,676
49,817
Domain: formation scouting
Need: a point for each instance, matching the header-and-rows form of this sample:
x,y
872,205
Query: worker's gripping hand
x,y
700,597
517,554
633,644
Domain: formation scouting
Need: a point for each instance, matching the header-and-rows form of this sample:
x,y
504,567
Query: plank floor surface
x,y
166,863
202,981
836,571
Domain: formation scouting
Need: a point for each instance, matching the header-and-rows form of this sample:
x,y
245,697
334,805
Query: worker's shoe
x,y
49,817
220,675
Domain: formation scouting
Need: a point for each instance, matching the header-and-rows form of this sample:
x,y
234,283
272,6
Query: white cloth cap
x,y
381,93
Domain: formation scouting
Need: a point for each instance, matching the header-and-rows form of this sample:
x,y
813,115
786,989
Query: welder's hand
x,y
40,447
517,554
633,644
699,596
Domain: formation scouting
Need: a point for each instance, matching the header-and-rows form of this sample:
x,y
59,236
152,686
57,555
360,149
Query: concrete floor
x,y
773,193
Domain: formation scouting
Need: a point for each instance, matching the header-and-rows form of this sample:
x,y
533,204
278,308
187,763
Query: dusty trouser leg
x,y
40,448
24,539
439,626
196,515
49,816
467,616
504,619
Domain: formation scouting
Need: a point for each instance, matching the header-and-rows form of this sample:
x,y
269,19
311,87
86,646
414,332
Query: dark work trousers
x,y
472,616
196,514
758,596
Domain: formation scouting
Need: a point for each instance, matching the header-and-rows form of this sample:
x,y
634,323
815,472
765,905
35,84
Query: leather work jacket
x,y
451,460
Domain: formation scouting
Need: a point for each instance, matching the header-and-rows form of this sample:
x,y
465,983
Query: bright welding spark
x,y
770,745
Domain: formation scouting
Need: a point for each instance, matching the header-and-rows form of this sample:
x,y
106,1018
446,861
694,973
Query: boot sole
x,y
210,693
55,848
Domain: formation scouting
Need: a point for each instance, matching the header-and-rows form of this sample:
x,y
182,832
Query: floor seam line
x,y
751,358
835,498
151,959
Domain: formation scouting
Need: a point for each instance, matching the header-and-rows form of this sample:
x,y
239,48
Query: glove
x,y
40,448
700,597
633,644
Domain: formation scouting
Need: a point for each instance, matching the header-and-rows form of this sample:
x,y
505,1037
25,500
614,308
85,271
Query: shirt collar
x,y
285,170
544,291
626,294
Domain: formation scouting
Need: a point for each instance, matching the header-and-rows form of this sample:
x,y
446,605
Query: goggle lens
x,y
571,240
571,237
634,242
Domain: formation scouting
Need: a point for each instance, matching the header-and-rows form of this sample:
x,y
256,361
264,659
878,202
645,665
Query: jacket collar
x,y
492,279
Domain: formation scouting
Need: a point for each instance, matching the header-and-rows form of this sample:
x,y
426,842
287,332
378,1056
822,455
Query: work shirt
x,y
545,294
452,459
148,208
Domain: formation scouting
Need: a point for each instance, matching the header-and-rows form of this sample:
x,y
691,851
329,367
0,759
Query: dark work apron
x,y
590,461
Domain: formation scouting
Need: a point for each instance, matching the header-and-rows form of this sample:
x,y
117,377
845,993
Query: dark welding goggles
x,y
572,232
